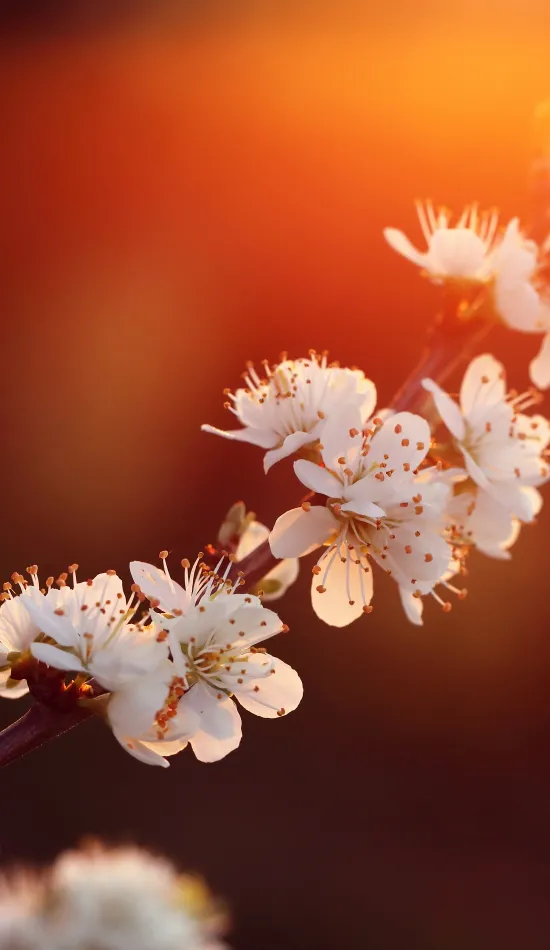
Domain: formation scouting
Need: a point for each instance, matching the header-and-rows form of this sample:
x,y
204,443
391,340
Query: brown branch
x,y
451,342
36,727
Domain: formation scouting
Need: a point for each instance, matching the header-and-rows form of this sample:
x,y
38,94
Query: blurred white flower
x,y
282,576
284,411
121,899
464,251
213,634
503,449
374,509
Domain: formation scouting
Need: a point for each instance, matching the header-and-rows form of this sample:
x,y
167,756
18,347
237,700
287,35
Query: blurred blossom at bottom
x,y
108,899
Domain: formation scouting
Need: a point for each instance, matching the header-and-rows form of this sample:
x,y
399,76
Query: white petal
x,y
483,385
362,506
293,443
456,252
270,695
246,626
18,689
519,307
220,723
447,409
140,750
255,534
514,500
264,438
492,527
475,471
53,656
297,531
539,368
345,582
404,438
412,606
278,580
423,559
42,612
157,586
336,436
132,710
400,243
318,479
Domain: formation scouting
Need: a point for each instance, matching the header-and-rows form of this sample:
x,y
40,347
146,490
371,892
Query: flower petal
x,y
318,479
412,605
157,586
148,754
15,690
539,368
220,723
402,439
337,438
293,443
132,710
297,531
264,438
274,695
447,409
59,659
400,243
348,588
483,385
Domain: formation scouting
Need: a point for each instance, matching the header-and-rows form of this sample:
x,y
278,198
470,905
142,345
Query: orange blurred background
x,y
186,187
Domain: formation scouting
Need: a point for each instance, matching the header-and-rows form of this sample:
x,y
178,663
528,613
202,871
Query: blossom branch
x,y
36,727
450,343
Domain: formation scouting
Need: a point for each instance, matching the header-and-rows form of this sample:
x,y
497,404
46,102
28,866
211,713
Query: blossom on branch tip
x,y
463,251
374,510
504,450
285,410
213,635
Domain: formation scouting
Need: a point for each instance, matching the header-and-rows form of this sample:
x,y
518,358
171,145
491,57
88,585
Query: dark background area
x,y
186,187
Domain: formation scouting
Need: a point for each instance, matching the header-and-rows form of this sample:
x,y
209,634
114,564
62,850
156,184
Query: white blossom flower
x,y
111,899
91,624
462,252
277,581
17,632
213,634
284,412
374,509
503,449
511,268
522,295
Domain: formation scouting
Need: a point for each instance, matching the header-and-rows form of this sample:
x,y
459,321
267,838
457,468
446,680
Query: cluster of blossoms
x,y
118,899
410,494
169,676
389,488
